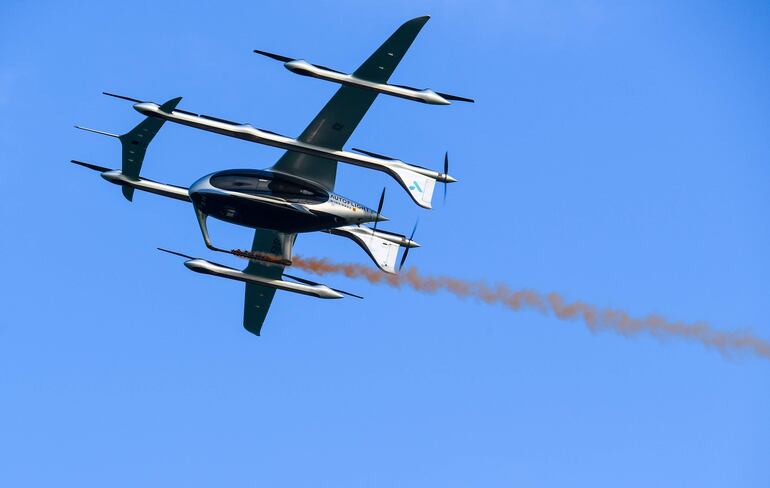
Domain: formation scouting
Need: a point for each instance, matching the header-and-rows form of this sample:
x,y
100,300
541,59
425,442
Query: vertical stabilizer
x,y
135,142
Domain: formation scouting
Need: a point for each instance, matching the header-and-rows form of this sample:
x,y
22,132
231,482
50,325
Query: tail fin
x,y
380,245
258,298
420,187
134,144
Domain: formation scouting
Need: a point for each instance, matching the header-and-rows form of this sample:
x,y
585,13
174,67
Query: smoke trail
x,y
596,319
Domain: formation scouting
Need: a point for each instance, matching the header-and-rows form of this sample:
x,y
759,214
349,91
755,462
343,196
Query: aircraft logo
x,y
415,185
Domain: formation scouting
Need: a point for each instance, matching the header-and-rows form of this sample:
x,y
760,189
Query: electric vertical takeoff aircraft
x,y
295,194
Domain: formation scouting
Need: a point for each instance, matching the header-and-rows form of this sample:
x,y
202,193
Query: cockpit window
x,y
254,184
242,183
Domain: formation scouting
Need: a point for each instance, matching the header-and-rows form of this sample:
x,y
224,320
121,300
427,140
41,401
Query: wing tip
x,y
418,22
256,332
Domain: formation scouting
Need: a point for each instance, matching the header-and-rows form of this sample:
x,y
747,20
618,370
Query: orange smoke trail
x,y
595,318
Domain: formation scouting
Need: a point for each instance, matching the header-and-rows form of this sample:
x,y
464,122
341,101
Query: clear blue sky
x,y
618,153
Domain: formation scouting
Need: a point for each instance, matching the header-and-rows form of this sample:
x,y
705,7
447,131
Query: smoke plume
x,y
728,343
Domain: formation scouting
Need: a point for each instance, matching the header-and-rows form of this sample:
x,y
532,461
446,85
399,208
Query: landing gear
x,y
280,250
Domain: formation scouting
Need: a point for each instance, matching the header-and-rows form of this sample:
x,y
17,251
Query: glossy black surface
x,y
282,210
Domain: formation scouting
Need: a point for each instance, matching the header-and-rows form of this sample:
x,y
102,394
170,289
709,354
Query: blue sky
x,y
617,153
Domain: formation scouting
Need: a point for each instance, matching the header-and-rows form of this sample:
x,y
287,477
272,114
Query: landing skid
x,y
269,258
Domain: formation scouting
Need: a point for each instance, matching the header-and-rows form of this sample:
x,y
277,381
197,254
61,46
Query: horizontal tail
x,y
381,246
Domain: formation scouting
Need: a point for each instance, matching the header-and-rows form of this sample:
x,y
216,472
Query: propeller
x,y
175,253
446,172
277,57
123,97
379,209
406,250
455,97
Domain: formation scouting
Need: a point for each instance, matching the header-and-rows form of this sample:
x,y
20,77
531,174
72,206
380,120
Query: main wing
x,y
335,123
258,298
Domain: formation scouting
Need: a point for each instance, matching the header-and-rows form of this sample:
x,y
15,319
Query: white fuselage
x,y
268,200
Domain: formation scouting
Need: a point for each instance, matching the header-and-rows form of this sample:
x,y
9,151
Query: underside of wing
x,y
334,125
258,298
255,307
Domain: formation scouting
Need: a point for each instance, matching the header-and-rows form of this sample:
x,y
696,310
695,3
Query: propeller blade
x,y
379,208
373,154
94,167
301,280
277,57
414,229
455,97
348,293
403,259
175,253
123,97
446,172
406,250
